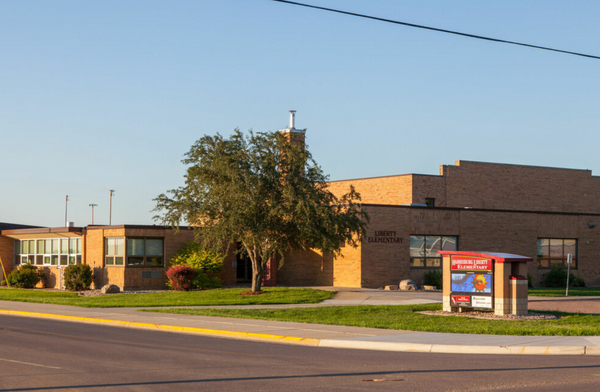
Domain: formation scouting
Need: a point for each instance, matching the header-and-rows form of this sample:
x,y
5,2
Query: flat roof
x,y
45,232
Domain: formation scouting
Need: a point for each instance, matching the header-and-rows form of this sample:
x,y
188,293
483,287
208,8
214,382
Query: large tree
x,y
264,191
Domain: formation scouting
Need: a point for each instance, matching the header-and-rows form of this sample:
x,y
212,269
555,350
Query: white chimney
x,y
292,127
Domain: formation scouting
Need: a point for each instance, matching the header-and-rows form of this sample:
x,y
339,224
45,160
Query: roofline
x,y
106,227
517,164
44,230
390,176
481,209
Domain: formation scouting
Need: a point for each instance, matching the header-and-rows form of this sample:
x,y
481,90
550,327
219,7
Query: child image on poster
x,y
472,283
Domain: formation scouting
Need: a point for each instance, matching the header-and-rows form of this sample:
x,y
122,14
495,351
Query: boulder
x,y
110,289
391,287
408,285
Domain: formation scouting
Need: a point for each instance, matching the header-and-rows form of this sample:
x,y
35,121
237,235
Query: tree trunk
x,y
257,272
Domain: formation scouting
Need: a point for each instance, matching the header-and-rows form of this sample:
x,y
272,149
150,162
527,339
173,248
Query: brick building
x,y
541,212
129,256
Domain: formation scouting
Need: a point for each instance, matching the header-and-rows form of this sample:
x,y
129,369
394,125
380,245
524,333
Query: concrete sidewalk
x,y
317,334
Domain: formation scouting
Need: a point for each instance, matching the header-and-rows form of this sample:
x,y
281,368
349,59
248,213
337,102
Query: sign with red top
x,y
470,263
460,300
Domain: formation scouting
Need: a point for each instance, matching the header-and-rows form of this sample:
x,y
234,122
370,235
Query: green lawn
x,y
573,291
275,295
405,317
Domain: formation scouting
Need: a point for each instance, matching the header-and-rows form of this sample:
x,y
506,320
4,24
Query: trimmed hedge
x,y
27,276
78,277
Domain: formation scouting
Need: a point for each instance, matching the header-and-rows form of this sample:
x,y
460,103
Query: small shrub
x,y
557,277
433,278
26,276
78,277
205,264
529,281
575,281
3,283
181,277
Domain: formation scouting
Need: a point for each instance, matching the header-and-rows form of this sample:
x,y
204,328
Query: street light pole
x,y
66,201
93,205
112,192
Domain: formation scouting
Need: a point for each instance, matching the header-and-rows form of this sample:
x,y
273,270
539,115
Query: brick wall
x,y
380,261
378,190
306,268
523,188
485,185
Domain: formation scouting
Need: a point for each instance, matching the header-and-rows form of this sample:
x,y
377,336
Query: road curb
x,y
459,349
329,343
170,328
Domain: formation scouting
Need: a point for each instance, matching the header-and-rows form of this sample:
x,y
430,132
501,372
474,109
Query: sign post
x,y
569,261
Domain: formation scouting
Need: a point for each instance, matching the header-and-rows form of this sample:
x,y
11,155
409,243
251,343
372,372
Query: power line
x,y
439,30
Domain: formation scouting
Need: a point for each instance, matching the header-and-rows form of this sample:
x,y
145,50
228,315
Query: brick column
x,y
518,295
270,273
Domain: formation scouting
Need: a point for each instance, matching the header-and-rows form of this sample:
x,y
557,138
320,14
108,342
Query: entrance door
x,y
244,269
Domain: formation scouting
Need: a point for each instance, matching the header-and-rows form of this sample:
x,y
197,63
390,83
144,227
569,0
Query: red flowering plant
x,y
181,277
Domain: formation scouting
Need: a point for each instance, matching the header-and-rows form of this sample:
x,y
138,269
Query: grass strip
x,y
405,317
276,295
573,292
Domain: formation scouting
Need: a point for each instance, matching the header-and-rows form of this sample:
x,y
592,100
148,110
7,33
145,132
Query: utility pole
x,y
66,201
93,205
112,192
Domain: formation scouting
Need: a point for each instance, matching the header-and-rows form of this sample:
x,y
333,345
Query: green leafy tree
x,y
265,191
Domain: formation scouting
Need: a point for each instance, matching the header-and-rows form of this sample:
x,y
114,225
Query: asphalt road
x,y
47,355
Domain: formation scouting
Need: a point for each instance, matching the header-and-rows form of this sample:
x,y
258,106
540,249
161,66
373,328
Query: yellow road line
x,y
134,324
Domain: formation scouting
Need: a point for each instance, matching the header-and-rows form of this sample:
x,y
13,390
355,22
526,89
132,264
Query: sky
x,y
100,95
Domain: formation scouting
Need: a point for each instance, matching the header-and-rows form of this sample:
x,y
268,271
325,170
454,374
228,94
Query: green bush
x,y
206,265
27,276
433,278
557,277
529,281
3,283
78,277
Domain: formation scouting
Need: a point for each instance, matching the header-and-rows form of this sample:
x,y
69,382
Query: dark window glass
x,y
554,251
424,250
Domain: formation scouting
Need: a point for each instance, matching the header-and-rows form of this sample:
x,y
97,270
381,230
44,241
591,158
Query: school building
x,y
541,212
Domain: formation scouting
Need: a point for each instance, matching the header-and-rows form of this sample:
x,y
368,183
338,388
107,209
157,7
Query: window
x,y
145,251
424,248
43,251
114,250
430,202
554,251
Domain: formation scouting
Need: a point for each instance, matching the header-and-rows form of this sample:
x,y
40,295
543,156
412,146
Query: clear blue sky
x,y
99,95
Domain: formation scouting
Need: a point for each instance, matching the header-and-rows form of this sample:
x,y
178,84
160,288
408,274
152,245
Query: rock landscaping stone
x,y
408,285
110,289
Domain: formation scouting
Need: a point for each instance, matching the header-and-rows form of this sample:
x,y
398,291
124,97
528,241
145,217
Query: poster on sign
x,y
481,302
460,300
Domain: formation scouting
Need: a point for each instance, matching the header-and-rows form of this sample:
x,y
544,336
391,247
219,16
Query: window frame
x,y
540,257
45,250
424,257
115,255
145,259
